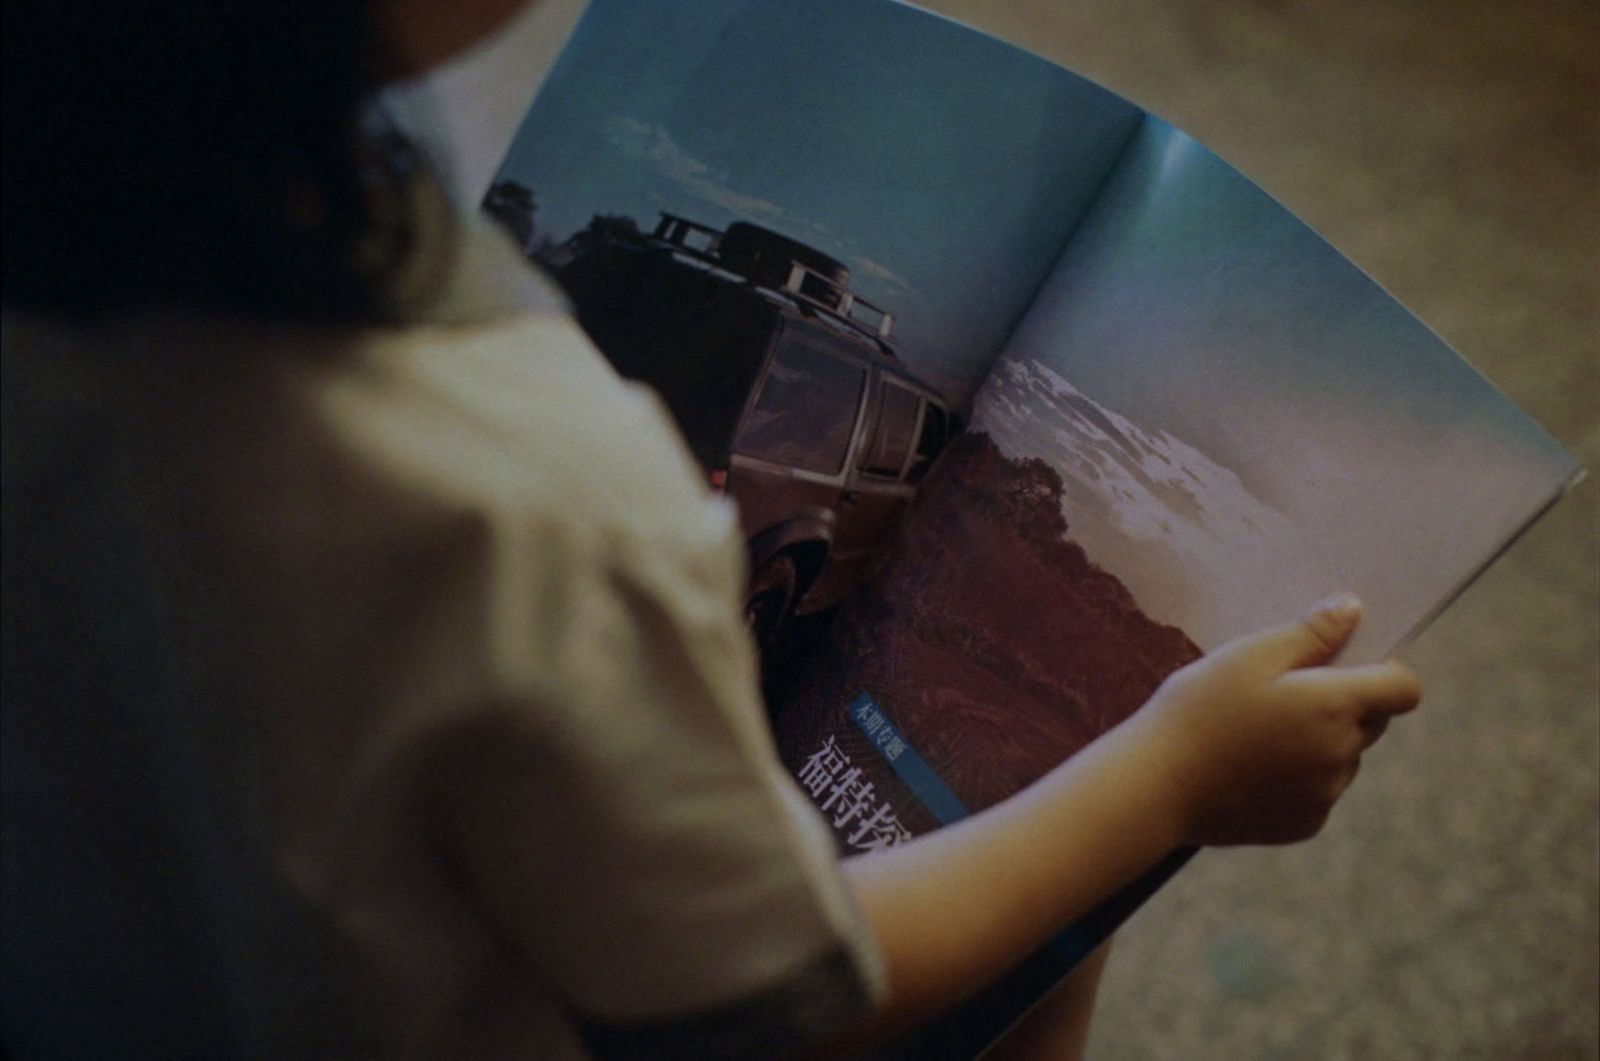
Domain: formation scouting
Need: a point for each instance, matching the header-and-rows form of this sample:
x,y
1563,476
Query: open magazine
x,y
1026,398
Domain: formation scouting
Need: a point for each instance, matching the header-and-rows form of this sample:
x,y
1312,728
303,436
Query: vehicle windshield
x,y
806,411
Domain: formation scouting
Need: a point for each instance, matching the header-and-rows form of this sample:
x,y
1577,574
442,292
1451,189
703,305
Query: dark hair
x,y
208,153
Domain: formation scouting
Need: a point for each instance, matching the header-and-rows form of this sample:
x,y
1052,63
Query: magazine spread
x,y
1026,398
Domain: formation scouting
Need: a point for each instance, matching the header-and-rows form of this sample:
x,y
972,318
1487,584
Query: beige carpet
x,y
1450,908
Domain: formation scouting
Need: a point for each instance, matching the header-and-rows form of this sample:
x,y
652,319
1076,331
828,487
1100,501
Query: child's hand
x,y
1261,739
1252,744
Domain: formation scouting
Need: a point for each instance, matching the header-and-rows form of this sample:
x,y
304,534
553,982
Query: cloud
x,y
652,143
883,273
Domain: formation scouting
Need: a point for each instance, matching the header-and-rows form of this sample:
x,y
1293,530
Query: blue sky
x,y
946,168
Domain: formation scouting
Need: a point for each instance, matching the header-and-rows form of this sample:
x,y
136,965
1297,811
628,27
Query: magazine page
x,y
934,172
1243,420
1208,420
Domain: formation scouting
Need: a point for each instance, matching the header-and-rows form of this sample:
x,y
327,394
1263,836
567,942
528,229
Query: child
x,y
359,621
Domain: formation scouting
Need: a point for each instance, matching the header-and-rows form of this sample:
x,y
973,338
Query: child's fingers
x,y
1375,689
1307,642
1388,688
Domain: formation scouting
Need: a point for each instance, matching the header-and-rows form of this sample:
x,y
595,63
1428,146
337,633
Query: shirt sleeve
x,y
624,823
497,624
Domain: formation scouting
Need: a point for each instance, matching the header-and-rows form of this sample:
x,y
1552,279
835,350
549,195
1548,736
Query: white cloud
x,y
882,272
654,144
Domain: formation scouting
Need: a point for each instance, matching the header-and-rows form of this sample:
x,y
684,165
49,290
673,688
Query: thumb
x,y
1316,637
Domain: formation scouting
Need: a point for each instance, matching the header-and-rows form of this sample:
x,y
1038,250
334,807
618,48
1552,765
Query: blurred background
x,y
1449,909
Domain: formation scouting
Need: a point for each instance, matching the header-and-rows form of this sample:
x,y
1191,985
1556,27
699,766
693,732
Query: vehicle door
x,y
789,464
876,493
902,436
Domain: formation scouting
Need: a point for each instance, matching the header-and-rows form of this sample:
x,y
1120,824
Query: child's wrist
x,y
1157,758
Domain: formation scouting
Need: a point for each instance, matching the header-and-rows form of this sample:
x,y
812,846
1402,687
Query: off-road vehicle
x,y
785,383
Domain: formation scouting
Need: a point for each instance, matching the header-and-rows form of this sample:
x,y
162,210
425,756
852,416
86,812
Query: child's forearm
x,y
956,908
1251,744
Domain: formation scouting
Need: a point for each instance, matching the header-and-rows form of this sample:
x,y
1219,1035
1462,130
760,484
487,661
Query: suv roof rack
x,y
773,261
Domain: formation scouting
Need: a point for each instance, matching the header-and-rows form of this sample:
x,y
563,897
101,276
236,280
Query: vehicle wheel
x,y
772,593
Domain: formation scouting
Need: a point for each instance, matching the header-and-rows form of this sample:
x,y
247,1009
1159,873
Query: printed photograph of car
x,y
786,384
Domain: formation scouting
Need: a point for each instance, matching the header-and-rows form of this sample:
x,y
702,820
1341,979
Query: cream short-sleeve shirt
x,y
450,626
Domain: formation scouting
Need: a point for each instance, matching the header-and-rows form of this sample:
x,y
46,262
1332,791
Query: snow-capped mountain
x,y
1192,543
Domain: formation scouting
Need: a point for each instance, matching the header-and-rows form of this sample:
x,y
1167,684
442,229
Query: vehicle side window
x,y
935,432
806,411
891,436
